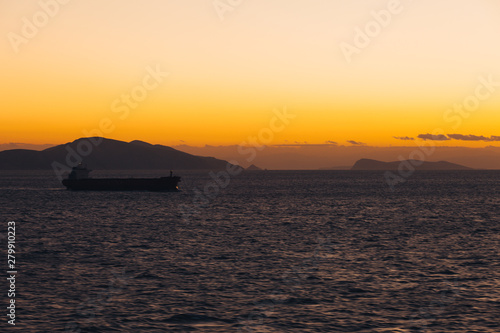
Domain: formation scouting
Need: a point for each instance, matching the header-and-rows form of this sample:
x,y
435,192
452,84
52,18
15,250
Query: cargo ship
x,y
79,180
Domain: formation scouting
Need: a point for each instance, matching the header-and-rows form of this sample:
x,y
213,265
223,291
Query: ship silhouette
x,y
79,180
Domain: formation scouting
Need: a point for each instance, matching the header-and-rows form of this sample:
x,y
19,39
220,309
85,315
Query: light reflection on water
x,y
273,252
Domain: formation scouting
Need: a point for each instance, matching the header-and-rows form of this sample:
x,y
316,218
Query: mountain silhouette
x,y
253,167
106,154
367,164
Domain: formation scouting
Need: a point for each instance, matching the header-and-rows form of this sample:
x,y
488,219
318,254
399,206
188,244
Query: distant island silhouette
x,y
368,164
107,154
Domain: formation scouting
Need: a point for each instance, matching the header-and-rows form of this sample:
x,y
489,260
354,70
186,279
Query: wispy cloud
x,y
306,144
439,137
405,138
471,137
356,143
18,145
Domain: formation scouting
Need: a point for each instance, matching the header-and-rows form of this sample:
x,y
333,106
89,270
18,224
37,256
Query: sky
x,y
203,72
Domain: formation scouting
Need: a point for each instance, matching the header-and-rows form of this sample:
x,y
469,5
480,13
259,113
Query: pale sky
x,y
226,76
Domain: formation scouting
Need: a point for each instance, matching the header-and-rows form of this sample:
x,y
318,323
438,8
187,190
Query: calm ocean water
x,y
311,251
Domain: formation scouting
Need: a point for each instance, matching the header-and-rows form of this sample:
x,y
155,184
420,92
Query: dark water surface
x,y
273,252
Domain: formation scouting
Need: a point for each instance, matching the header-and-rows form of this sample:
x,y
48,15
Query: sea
x,y
262,251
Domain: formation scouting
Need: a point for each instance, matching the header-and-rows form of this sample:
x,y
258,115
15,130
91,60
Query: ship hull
x,y
166,184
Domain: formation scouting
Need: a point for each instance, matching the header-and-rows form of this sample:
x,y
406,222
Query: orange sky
x,y
226,76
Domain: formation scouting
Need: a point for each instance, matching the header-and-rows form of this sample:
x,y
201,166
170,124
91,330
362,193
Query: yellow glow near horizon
x,y
227,76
